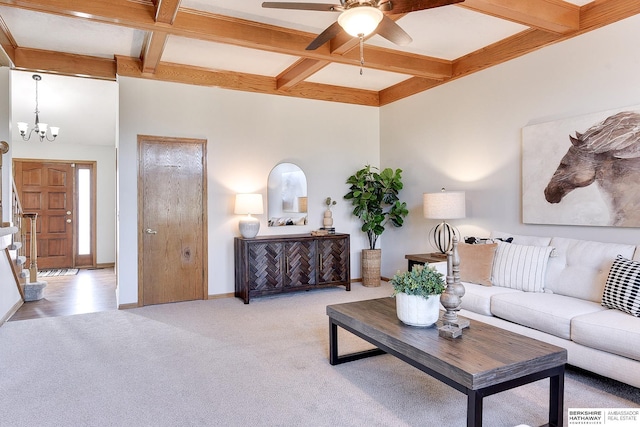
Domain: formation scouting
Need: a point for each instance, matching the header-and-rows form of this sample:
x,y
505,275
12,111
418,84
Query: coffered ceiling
x,y
238,44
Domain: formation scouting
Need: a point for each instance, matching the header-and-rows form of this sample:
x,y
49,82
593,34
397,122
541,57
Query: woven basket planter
x,y
371,259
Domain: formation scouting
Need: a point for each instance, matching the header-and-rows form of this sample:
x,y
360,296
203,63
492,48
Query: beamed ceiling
x,y
237,44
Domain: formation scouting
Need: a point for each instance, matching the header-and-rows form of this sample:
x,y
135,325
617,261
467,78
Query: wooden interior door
x,y
172,236
46,188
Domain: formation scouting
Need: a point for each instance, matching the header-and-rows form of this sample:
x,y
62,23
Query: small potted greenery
x,y
417,295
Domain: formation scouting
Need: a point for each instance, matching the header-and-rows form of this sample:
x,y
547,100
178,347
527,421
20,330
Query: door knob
x,y
150,231
68,221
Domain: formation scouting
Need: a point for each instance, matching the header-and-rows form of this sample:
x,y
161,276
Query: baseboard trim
x,y
106,265
220,296
359,279
128,306
11,311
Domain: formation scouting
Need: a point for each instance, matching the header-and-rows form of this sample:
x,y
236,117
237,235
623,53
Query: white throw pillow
x,y
520,267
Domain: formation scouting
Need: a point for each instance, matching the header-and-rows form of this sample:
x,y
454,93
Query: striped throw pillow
x,y
622,290
520,267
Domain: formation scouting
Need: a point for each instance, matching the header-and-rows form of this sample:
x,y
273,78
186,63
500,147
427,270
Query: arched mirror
x,y
287,196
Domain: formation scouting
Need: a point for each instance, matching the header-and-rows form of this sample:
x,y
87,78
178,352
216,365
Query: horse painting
x,y
607,154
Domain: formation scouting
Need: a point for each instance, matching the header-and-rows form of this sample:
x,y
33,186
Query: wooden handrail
x,y
4,149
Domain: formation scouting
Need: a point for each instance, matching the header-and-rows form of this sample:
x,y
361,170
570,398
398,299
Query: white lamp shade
x,y
55,131
23,127
361,20
249,204
444,205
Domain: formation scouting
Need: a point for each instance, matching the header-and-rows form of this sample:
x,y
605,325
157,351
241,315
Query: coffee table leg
x,y
333,343
474,409
556,398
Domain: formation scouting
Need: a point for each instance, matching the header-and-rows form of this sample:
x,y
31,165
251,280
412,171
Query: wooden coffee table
x,y
484,361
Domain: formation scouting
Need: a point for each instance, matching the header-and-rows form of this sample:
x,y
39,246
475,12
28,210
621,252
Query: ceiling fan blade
x,y
392,32
331,31
322,7
405,6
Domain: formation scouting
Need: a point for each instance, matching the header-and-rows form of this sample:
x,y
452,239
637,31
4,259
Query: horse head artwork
x,y
608,154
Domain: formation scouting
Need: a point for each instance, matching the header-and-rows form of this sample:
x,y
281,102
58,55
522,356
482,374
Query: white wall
x,y
247,134
466,135
4,136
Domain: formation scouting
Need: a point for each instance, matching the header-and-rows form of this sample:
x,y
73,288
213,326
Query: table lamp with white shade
x,y
248,204
443,205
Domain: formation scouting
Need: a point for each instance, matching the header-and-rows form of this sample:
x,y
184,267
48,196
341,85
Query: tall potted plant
x,y
375,201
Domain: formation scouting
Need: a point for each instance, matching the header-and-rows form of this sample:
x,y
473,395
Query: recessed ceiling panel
x,y
349,76
450,32
219,56
71,35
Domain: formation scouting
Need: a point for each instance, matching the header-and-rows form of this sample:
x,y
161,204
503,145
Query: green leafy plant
x,y
422,280
375,201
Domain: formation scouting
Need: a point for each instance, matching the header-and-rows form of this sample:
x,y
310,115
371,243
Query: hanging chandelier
x,y
39,128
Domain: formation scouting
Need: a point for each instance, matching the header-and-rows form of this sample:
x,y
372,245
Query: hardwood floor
x,y
89,291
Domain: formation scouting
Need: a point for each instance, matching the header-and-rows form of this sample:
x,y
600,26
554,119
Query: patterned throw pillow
x,y
520,267
622,290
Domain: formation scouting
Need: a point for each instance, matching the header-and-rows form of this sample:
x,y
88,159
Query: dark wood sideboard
x,y
267,265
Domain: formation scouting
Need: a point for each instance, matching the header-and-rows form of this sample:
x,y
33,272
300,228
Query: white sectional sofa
x,y
564,308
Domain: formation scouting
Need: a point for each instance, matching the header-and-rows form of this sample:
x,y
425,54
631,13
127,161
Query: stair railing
x,y
17,215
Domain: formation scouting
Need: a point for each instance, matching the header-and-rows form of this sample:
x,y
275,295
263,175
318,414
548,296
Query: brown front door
x,y
172,236
46,188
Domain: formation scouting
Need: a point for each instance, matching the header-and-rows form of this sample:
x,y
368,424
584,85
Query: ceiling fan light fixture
x,y
360,21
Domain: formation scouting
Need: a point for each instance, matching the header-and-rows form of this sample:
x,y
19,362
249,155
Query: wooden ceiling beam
x,y
554,16
223,29
298,72
166,10
65,63
132,67
7,42
152,51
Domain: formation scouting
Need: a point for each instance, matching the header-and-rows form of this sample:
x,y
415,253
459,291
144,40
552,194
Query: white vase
x,y
415,310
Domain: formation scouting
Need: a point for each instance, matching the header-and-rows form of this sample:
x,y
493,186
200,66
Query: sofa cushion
x,y
608,330
477,298
622,289
580,267
519,239
476,262
545,312
521,267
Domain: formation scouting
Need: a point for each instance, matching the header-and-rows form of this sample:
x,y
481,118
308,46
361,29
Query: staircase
x,y
15,249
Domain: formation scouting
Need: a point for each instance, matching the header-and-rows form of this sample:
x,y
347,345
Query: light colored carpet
x,y
223,363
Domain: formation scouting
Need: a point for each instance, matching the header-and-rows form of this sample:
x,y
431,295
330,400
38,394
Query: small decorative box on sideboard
x,y
267,265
